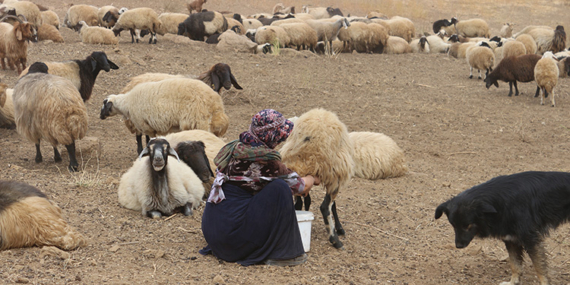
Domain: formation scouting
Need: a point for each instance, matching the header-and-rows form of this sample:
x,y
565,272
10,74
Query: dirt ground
x,y
455,134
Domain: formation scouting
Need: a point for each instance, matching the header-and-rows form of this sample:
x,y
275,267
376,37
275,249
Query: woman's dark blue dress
x,y
249,229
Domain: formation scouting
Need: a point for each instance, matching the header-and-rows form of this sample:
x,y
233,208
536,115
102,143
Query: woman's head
x,y
268,127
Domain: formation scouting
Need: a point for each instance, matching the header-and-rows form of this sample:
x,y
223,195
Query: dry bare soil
x,y
455,134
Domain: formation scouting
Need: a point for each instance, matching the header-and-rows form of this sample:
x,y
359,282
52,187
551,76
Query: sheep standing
x,y
195,5
376,156
401,27
78,13
529,43
512,69
546,76
480,57
459,50
6,107
273,35
328,31
82,73
14,43
420,45
50,18
156,108
97,35
301,35
156,185
138,19
49,107
107,16
28,218
203,24
507,30
319,145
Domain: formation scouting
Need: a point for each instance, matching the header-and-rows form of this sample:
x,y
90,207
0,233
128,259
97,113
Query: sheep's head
x,y
423,41
111,17
23,31
454,38
108,109
38,67
158,149
454,21
221,75
193,153
489,81
181,29
99,61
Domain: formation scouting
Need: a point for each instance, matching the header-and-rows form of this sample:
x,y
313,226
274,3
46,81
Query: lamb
x,y
97,35
420,45
328,31
471,27
529,43
29,10
78,13
170,22
273,35
507,30
139,19
14,43
512,69
481,57
6,107
156,185
439,24
82,73
319,145
28,218
301,35
49,107
195,5
49,32
377,156
513,48
49,18
546,76
547,39
203,24
397,45
107,16
212,143
154,108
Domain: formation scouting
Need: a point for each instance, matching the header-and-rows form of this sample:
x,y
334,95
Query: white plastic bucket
x,y
305,219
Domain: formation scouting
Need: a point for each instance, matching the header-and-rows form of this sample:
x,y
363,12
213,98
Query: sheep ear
x,y
216,82
19,34
93,65
440,210
145,152
234,82
172,152
112,64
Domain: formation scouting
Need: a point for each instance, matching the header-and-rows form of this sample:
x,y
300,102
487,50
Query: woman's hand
x,y
310,181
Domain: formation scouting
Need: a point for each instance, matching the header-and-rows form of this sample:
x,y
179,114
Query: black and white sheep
x,y
156,185
139,19
28,218
49,107
203,24
439,24
420,45
82,73
107,16
512,69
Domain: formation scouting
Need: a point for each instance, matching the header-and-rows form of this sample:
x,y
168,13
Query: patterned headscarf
x,y
268,127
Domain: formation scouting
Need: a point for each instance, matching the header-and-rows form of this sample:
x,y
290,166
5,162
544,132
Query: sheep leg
x,y
56,155
552,98
38,153
511,89
298,203
187,211
542,96
537,92
73,165
307,202
3,63
337,225
516,88
154,36
154,214
326,208
470,72
478,73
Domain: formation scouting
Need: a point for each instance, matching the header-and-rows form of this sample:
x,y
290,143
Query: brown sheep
x,y
14,43
195,5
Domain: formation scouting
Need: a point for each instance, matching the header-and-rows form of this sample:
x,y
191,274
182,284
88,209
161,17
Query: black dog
x,y
519,209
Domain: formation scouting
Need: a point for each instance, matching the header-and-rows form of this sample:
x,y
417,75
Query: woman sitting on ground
x,y
250,217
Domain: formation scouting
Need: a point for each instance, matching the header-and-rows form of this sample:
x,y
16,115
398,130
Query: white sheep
x,y
420,45
280,8
357,37
507,30
397,45
471,27
546,76
49,107
319,145
139,19
230,41
273,35
328,30
301,35
6,107
110,21
252,24
50,18
529,43
212,142
97,35
317,12
157,185
28,218
437,44
527,29
78,13
459,50
27,9
513,48
481,57
377,156
155,108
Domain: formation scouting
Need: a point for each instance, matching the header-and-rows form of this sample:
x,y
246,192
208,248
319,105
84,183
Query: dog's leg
x,y
515,261
538,257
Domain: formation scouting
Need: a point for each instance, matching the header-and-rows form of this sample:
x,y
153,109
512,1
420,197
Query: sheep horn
x,y
23,17
11,17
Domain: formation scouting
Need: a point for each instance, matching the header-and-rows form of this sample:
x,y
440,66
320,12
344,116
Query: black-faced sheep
x,y
319,145
139,19
481,57
512,69
195,5
203,24
28,218
14,43
437,25
420,45
78,13
156,185
82,73
212,143
108,16
97,35
546,76
49,107
170,105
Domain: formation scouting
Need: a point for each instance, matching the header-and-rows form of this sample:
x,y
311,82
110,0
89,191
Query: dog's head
x,y
468,218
